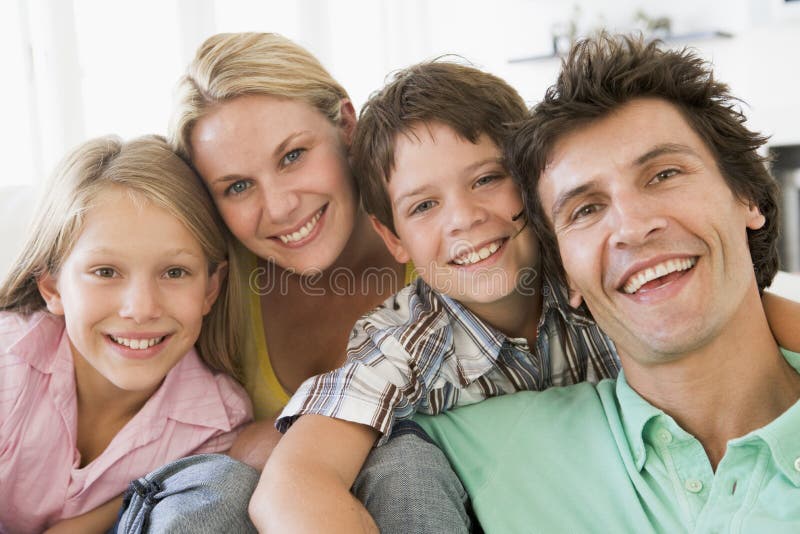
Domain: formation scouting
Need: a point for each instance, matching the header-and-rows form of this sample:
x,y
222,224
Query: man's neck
x,y
735,384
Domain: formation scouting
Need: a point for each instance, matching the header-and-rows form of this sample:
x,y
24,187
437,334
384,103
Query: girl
x,y
100,381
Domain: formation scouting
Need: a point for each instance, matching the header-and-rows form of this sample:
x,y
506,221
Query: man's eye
x,y
664,175
104,272
237,187
176,272
293,155
423,206
584,211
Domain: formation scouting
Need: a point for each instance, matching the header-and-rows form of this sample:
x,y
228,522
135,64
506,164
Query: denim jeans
x,y
204,494
408,486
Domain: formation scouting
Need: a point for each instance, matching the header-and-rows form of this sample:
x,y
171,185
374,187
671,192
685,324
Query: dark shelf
x,y
676,38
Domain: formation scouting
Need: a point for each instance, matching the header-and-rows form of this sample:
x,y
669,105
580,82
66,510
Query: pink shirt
x,y
194,411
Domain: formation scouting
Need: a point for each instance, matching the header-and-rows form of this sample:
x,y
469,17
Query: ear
x,y
48,289
755,220
215,280
347,120
575,296
390,239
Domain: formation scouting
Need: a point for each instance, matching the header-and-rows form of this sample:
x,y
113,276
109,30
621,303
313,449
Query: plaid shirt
x,y
421,351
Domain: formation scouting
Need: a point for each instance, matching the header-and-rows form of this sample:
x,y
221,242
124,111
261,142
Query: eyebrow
x,y
665,148
568,195
468,169
167,253
278,152
653,153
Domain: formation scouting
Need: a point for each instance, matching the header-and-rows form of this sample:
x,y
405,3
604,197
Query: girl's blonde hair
x,y
229,65
151,171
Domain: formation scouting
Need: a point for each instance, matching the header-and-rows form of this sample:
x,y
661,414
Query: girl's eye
x,y
237,187
292,156
423,206
176,272
664,175
105,272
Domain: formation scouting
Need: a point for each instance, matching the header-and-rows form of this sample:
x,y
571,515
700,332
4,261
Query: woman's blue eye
x,y
293,155
238,187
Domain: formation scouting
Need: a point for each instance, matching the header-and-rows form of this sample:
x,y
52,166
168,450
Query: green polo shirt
x,y
588,458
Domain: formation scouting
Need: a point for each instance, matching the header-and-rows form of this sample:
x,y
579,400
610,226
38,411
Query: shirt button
x,y
664,436
693,485
797,464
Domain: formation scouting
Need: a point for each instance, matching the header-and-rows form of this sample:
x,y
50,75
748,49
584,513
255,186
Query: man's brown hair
x,y
603,73
468,100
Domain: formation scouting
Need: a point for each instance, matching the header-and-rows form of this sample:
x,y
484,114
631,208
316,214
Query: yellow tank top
x,y
262,385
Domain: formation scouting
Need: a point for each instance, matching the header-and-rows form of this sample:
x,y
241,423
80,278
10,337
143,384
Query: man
x,y
641,172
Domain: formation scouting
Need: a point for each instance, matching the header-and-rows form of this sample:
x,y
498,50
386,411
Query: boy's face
x,y
453,205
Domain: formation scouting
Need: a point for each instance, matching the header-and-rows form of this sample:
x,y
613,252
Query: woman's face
x,y
278,172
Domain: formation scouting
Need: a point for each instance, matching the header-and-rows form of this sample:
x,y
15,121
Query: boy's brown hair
x,y
466,99
602,74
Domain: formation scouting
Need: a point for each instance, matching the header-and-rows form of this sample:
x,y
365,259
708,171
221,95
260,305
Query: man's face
x,y
650,234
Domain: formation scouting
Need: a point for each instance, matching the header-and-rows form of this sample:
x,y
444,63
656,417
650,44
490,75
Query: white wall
x,y
92,67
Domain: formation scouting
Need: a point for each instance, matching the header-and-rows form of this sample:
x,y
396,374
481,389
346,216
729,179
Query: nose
x,y
636,220
464,214
141,301
280,202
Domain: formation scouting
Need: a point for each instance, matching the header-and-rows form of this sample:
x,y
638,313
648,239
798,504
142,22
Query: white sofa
x,y
17,204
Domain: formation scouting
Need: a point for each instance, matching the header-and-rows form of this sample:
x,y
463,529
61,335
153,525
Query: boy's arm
x,y
305,485
98,520
783,316
255,443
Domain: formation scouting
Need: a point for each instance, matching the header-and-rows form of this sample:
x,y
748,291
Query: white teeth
x,y
468,258
302,232
138,344
639,279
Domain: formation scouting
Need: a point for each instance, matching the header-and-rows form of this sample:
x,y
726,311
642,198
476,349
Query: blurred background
x,y
74,69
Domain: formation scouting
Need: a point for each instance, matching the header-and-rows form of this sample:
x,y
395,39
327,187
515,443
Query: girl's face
x,y
278,172
133,292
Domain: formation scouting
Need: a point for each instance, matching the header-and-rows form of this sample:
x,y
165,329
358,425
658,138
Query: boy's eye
x,y
104,272
176,272
237,187
423,206
489,178
292,156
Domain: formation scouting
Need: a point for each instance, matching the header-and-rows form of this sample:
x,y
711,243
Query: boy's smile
x,y
454,207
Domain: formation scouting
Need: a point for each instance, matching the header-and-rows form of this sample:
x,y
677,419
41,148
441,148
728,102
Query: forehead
x,y
604,149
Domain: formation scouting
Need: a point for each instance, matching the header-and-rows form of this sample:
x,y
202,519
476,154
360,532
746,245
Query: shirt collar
x,y
189,394
635,413
783,434
40,342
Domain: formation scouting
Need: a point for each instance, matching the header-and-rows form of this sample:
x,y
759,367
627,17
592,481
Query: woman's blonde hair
x,y
229,65
150,171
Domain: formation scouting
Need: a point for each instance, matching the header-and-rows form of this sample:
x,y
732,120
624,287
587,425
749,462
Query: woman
x,y
268,129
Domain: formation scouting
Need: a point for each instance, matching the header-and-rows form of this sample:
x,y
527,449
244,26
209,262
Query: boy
x,y
480,321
